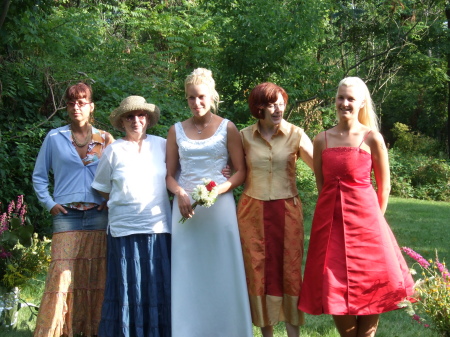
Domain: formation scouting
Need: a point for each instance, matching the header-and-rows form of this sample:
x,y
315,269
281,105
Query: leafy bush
x,y
411,142
22,254
419,176
432,173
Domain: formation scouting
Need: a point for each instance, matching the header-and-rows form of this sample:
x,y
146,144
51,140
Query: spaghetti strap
x,y
365,136
326,141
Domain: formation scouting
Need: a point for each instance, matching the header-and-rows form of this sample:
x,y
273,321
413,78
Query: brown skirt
x,y
272,244
75,284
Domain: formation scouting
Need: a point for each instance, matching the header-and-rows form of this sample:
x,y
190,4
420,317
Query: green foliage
x,y
415,172
411,142
23,255
419,176
262,41
306,185
33,260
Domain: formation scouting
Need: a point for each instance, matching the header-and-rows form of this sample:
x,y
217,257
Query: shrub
x,y
433,173
419,176
411,142
22,254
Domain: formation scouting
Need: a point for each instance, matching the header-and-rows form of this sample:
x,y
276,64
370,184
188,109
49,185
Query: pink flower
x,y
19,203
22,213
11,207
442,269
416,256
3,223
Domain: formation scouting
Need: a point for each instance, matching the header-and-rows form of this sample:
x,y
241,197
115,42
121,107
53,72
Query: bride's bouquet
x,y
204,195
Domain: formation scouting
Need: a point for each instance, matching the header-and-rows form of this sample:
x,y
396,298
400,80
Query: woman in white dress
x,y
209,293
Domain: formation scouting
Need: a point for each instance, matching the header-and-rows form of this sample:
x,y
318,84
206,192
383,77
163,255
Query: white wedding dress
x,y
209,292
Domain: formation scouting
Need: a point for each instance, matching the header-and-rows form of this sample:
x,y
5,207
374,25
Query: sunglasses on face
x,y
131,117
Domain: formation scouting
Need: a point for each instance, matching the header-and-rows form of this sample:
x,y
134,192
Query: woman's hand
x,y
57,209
226,172
184,204
102,206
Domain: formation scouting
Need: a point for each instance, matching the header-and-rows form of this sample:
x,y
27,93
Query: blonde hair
x,y
204,76
366,115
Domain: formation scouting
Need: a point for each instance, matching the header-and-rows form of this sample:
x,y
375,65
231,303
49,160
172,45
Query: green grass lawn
x,y
420,225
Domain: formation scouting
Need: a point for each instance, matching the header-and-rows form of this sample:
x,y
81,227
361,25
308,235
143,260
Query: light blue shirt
x,y
72,179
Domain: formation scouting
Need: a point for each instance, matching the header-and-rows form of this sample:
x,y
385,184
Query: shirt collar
x,y
282,128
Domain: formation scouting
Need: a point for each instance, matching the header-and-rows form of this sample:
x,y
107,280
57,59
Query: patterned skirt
x,y
137,295
272,244
75,283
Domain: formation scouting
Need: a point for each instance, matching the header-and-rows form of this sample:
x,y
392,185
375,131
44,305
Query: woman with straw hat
x,y
131,176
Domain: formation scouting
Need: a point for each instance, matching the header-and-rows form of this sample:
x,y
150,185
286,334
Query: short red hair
x,y
262,95
78,91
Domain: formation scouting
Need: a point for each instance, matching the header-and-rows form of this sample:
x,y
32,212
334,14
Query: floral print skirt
x,y
75,284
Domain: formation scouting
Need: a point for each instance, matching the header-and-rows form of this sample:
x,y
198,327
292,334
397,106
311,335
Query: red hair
x,y
78,91
262,95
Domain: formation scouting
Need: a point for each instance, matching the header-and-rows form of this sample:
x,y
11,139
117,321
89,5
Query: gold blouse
x,y
271,168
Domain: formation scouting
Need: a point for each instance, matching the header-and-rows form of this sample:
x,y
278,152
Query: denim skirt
x,y
137,298
76,220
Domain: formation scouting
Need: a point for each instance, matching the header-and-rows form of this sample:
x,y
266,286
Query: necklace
x,y
199,131
86,140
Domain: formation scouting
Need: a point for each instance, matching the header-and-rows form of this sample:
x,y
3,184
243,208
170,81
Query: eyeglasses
x,y
80,104
131,118
274,106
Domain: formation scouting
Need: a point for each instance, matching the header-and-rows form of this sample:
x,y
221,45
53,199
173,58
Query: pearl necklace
x,y
199,131
87,140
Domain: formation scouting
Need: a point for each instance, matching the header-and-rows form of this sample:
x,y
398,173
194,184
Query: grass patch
x,y
420,225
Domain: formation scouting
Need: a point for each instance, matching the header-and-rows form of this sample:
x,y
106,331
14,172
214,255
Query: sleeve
x,y
103,176
41,170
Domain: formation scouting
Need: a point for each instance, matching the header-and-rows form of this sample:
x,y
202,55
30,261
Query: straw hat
x,y
134,103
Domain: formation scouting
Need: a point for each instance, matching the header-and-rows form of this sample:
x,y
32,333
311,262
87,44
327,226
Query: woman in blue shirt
x,y
74,288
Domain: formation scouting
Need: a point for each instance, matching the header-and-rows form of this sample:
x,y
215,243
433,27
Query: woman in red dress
x,y
354,269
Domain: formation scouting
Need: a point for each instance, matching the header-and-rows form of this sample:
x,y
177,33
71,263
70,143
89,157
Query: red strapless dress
x,y
354,265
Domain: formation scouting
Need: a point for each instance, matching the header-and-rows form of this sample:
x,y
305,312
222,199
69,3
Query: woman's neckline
x,y
202,140
347,147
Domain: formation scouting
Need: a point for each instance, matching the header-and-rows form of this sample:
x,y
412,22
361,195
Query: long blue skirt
x,y
137,293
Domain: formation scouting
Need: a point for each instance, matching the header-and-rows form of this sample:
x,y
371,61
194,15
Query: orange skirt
x,y
272,244
75,284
